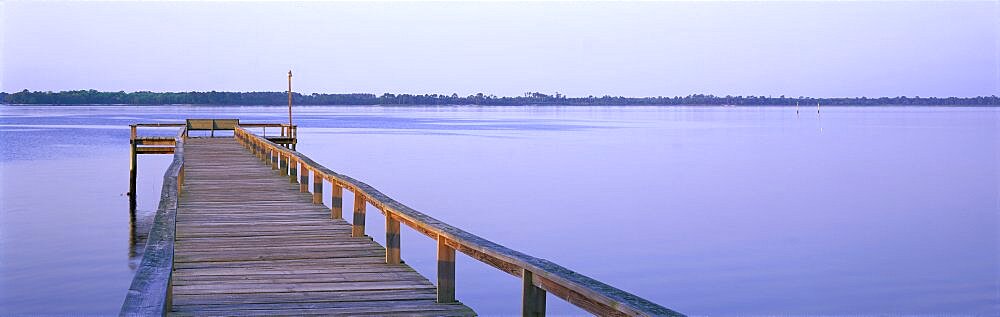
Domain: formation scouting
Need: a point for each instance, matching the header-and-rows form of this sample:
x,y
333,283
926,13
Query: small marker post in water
x,y
817,107
796,107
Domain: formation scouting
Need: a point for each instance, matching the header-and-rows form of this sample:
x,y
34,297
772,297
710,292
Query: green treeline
x,y
533,98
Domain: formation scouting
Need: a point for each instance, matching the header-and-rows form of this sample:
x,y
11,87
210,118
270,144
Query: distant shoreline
x,y
217,98
804,108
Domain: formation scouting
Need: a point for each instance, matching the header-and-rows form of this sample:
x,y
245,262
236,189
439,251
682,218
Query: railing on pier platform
x,y
150,292
538,275
287,136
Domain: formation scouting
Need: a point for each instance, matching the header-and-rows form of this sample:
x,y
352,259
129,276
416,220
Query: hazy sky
x,y
822,49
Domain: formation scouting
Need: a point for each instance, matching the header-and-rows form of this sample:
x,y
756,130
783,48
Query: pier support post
x,y
446,272
317,187
532,297
336,201
392,239
132,173
293,170
358,226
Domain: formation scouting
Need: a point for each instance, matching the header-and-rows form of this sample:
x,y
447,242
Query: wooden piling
x,y
132,172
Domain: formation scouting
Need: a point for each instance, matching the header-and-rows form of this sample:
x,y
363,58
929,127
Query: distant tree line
x,y
530,98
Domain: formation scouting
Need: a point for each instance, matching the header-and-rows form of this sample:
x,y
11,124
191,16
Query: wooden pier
x,y
238,232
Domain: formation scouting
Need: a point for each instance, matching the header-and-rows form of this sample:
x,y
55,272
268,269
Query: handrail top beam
x,y
238,122
163,125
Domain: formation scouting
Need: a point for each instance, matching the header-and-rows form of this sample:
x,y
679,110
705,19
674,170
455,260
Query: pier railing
x,y
150,292
284,130
538,275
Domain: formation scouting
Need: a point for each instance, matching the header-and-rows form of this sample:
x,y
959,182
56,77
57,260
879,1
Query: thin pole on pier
x,y
289,99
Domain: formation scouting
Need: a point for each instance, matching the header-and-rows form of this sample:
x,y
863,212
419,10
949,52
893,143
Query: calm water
x,y
706,210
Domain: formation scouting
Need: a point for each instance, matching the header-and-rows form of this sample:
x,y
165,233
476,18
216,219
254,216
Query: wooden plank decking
x,y
248,242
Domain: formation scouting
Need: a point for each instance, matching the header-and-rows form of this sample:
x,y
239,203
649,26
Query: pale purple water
x,y
705,210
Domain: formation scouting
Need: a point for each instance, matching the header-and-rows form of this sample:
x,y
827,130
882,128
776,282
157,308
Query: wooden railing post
x,y
264,154
283,160
293,170
253,147
392,239
317,187
358,226
275,156
532,297
336,201
446,272
304,179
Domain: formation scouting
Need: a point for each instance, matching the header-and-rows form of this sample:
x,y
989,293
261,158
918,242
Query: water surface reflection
x,y
705,210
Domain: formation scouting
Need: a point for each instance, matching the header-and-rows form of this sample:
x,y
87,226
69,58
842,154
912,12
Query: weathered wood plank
x,y
237,288
374,308
345,306
154,150
255,271
300,297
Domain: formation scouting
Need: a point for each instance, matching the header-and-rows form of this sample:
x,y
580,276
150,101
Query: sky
x,y
810,48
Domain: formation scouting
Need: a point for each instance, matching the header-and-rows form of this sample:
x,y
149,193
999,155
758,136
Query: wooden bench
x,y
212,125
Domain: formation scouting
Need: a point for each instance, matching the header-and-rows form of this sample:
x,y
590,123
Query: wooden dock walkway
x,y
237,232
248,242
